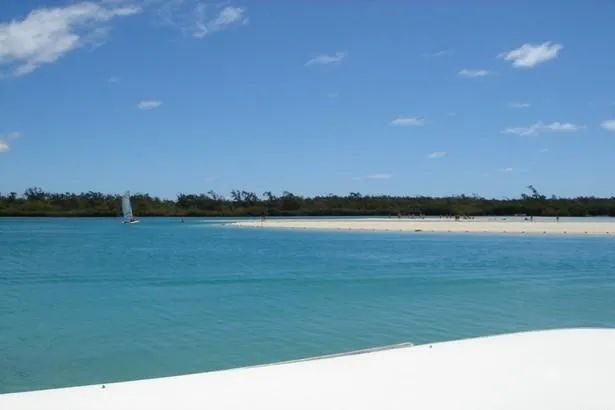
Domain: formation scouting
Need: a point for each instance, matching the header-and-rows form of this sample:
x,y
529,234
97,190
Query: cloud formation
x,y
379,176
407,122
437,154
4,140
608,125
538,127
197,18
149,104
466,72
227,17
326,59
531,55
47,34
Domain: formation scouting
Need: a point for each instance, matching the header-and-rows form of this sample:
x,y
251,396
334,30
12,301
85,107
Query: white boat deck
x,y
544,370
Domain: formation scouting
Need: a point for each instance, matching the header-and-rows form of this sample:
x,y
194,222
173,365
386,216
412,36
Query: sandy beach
x,y
513,226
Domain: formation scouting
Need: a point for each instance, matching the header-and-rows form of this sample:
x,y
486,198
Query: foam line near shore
x,y
439,225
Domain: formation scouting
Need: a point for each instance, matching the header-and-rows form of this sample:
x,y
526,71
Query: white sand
x,y
568,369
590,226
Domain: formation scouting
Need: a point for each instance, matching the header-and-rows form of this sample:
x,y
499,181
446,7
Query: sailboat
x,y
127,210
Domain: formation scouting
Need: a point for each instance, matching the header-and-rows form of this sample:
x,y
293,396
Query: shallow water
x,y
91,300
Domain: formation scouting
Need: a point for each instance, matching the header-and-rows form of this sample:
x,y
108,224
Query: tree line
x,y
37,202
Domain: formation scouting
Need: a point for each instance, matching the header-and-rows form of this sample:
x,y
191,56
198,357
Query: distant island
x,y
37,202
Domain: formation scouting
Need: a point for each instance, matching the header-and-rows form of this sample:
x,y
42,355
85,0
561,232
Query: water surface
x,y
91,300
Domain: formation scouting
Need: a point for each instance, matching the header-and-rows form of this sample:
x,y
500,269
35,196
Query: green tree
x,y
37,202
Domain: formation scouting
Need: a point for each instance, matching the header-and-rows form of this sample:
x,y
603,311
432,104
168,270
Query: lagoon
x,y
88,300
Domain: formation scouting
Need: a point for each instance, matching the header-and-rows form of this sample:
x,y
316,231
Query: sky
x,y
308,96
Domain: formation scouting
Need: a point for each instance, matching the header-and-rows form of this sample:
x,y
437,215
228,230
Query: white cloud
x,y
466,72
437,154
562,127
149,104
407,122
530,55
47,34
4,140
518,105
509,169
543,150
325,59
523,131
112,80
194,18
535,129
608,125
379,176
228,16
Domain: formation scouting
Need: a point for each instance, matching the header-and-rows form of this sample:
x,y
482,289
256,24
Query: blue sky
x,y
396,97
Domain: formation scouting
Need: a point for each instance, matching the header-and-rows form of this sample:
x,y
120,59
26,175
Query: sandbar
x,y
589,227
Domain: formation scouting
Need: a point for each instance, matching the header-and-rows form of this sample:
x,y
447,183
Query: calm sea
x,y
90,300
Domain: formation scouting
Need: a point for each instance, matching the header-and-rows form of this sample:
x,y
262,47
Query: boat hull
x,y
565,369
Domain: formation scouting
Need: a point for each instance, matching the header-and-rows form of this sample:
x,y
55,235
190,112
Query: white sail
x,y
126,208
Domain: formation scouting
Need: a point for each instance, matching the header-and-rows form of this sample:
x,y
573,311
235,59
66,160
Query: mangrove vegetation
x,y
37,202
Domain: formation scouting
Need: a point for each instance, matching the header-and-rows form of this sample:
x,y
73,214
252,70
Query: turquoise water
x,y
90,300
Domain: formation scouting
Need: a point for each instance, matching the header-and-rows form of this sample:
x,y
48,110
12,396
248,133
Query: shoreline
x,y
289,216
437,226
